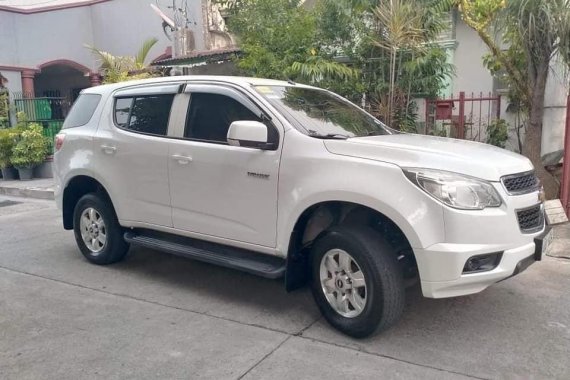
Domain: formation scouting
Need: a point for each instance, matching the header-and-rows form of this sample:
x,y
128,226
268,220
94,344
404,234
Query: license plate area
x,y
542,243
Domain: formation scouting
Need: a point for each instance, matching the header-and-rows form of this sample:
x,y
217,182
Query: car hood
x,y
420,151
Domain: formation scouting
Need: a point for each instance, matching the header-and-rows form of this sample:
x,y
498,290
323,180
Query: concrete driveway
x,y
159,316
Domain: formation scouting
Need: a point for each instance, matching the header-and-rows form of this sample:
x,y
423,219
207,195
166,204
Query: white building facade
x,y
42,44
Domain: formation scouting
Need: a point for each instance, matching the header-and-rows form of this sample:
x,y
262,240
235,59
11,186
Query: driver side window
x,y
210,115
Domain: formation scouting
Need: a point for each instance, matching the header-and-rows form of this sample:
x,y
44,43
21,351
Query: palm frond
x,y
144,50
316,69
107,60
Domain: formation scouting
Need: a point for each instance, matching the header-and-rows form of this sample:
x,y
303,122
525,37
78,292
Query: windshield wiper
x,y
337,136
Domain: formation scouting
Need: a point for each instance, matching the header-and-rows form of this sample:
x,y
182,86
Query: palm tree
x,y
398,28
120,68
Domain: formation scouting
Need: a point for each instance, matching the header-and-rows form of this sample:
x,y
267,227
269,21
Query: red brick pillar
x,y
28,83
95,79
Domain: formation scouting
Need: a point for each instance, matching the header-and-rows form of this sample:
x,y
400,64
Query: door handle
x,y
182,160
108,149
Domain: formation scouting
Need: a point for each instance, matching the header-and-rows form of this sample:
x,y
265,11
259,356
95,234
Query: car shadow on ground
x,y
226,289
219,291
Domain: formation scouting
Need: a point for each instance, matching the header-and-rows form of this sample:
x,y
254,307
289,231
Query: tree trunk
x,y
533,139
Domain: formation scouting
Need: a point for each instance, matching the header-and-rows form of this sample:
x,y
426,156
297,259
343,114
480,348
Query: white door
x,y
132,151
221,190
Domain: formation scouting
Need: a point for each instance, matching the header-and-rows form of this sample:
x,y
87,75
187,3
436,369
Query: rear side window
x,y
82,110
144,114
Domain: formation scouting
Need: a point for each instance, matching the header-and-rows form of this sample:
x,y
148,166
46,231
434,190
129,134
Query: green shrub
x,y
4,107
8,138
497,133
31,148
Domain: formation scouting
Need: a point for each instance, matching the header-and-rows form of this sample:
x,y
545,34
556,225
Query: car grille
x,y
531,219
520,183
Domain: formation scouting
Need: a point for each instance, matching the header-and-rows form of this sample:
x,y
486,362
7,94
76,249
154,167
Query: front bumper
x,y
443,256
471,233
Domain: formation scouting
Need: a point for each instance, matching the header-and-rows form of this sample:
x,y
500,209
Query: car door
x,y
132,148
219,190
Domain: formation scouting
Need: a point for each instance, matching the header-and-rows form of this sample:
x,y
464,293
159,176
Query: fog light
x,y
482,263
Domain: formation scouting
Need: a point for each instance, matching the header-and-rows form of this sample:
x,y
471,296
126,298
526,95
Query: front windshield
x,y
320,113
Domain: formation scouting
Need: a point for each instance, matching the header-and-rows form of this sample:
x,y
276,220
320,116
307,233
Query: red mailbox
x,y
443,110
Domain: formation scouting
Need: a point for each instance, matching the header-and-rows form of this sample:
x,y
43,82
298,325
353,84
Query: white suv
x,y
285,180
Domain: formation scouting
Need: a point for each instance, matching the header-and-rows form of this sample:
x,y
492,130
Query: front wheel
x,y
356,281
97,230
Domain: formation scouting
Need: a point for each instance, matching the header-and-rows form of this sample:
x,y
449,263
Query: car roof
x,y
240,81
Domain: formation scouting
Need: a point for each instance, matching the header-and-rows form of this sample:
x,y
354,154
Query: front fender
x,y
324,176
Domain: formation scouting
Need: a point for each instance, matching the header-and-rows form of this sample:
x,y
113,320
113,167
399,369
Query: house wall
x,y
14,84
14,80
471,75
554,121
117,26
8,40
120,26
48,36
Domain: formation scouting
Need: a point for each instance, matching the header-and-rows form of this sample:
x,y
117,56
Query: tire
x,y
383,298
114,247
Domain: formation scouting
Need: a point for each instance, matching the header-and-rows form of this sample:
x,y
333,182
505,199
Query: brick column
x,y
28,83
95,79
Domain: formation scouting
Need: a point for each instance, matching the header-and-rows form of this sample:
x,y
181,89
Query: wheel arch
x,y
77,187
318,217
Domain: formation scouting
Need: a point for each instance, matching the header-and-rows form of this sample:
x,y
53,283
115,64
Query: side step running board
x,y
255,263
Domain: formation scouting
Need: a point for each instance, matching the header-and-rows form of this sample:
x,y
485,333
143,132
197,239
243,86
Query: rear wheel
x,y
356,280
97,230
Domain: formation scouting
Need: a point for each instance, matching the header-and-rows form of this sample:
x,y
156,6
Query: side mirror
x,y
249,133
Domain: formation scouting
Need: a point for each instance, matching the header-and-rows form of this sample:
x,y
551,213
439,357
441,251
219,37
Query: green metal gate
x,y
46,111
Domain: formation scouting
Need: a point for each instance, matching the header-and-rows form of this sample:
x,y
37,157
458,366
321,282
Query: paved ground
x,y
159,316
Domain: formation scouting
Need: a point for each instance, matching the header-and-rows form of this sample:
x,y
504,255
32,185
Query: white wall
x,y
553,123
44,37
14,80
8,46
121,26
471,75
118,26
14,86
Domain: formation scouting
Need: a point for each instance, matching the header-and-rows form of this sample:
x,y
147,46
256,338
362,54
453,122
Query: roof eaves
x,y
200,56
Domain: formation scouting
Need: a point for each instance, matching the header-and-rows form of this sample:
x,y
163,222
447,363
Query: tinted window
x,y
82,110
210,115
320,113
144,114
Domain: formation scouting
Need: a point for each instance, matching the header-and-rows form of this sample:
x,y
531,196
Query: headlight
x,y
455,190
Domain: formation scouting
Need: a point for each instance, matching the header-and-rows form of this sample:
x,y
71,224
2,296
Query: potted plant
x,y
7,141
30,150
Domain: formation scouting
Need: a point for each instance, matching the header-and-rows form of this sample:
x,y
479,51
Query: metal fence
x,y
462,117
49,112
